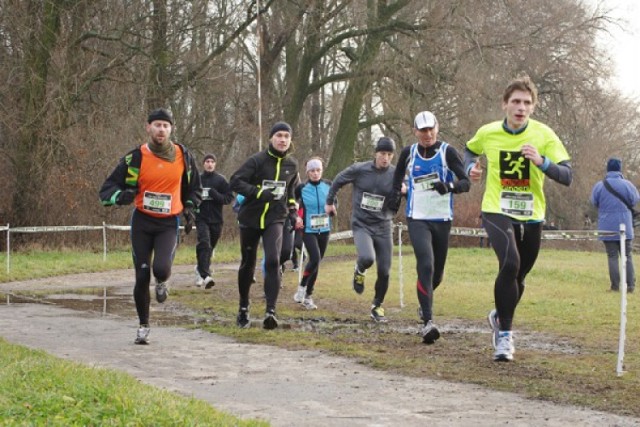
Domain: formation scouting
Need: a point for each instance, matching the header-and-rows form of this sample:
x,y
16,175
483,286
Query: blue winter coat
x,y
611,211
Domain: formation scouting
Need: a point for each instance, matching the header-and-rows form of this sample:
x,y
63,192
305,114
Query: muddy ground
x,y
285,387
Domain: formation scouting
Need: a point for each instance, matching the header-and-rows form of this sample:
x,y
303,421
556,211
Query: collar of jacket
x,y
275,153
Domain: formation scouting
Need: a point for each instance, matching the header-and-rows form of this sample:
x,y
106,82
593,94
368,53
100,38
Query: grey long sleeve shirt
x,y
372,188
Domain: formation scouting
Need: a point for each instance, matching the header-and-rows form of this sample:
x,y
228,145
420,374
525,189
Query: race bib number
x,y
156,202
425,182
278,188
319,221
513,203
372,202
205,193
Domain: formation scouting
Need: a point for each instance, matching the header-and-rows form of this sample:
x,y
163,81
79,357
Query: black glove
x,y
293,217
443,187
189,219
126,197
394,203
266,196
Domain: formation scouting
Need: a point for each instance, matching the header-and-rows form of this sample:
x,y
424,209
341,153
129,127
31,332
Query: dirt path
x,y
284,387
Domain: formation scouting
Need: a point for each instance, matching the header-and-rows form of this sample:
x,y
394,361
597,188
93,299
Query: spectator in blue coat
x,y
614,197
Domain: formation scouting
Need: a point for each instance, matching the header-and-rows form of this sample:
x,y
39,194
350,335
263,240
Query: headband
x,y
314,164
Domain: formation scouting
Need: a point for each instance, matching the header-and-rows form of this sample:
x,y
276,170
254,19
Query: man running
x,y
520,152
371,218
267,180
161,179
209,219
435,172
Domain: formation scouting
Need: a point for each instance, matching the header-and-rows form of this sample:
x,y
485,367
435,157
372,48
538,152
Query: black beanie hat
x,y
278,127
209,156
160,114
386,144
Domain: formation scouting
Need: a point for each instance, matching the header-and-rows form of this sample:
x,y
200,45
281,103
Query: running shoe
x,y
199,279
270,320
142,337
377,314
243,318
308,303
429,333
162,292
494,323
358,281
504,349
300,294
208,282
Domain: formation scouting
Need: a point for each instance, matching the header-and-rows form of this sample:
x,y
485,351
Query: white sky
x,y
624,44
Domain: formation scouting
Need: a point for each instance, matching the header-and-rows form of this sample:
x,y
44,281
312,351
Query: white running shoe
x,y
142,337
308,303
199,279
208,282
300,294
504,349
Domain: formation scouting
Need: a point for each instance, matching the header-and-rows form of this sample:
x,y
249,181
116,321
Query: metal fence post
x,y
104,242
400,277
8,250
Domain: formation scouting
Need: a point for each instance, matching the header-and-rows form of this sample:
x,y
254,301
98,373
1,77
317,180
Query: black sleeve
x,y
114,184
560,172
454,162
194,189
401,169
298,192
221,191
240,181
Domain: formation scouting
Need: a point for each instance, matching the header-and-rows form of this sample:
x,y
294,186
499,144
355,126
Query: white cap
x,y
425,119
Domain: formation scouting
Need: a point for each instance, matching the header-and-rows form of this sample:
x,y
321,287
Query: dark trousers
x,y
316,245
613,259
249,245
517,246
157,238
208,235
430,241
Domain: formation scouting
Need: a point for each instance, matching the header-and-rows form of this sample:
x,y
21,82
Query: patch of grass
x,y
38,389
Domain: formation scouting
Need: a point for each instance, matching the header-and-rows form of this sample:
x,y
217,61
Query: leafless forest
x,y
79,76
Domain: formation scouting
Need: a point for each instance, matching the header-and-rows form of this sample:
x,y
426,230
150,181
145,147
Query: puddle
x,y
107,301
